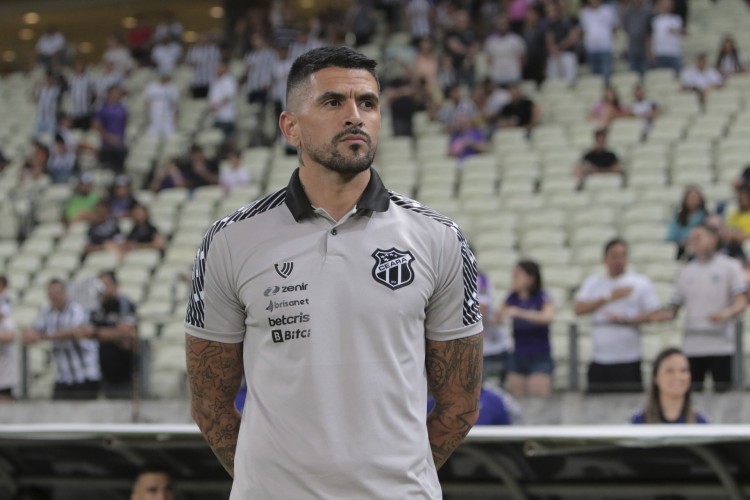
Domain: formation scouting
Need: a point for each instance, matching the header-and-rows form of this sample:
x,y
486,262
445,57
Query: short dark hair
x,y
55,281
150,469
614,242
335,56
600,132
109,274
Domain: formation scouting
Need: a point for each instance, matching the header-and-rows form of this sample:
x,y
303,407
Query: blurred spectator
x,y
152,483
9,373
530,310
516,12
3,161
453,105
619,302
701,78
64,130
234,173
446,74
161,98
172,175
645,109
114,326
729,60
713,291
493,100
51,47
636,22
424,74
139,41
738,221
743,180
505,52
104,232
669,400
166,54
118,55
729,244
496,347
362,21
47,102
111,122
279,73
121,200
35,163
462,47
306,40
61,164
259,74
109,78
82,96
561,36
608,109
400,97
598,22
692,213
222,100
534,34
520,111
4,299
143,235
201,171
203,56
599,160
466,139
419,13
680,7
665,44
65,323
169,28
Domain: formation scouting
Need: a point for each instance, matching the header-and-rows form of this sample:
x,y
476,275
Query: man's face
x,y
57,296
110,287
701,241
335,119
152,486
616,259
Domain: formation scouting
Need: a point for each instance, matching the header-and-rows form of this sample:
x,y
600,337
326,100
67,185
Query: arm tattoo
x,y
454,373
214,375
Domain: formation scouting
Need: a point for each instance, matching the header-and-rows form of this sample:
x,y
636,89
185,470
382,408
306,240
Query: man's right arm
x,y
215,373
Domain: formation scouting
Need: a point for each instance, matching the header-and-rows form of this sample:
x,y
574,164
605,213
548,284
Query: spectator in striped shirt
x,y
48,100
82,96
259,62
65,323
203,57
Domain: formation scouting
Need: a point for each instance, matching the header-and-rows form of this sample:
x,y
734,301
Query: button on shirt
x,y
334,317
613,343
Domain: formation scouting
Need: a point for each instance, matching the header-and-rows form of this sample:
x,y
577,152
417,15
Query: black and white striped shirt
x,y
260,65
47,102
77,360
203,57
82,92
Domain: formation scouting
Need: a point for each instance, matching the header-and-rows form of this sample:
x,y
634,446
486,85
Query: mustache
x,y
353,131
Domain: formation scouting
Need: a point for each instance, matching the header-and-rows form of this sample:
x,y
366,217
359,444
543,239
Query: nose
x,y
352,117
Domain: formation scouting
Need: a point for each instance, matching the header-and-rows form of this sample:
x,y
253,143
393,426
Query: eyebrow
x,y
367,96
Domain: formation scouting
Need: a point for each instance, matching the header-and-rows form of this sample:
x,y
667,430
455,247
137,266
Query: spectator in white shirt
x,y
169,28
161,98
233,173
665,38
166,54
119,55
222,100
701,78
9,373
505,53
598,23
50,48
619,303
645,109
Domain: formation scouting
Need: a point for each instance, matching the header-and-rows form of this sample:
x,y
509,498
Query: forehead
x,y
153,479
343,80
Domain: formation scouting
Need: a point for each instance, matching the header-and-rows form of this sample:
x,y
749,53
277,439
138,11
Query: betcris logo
x,y
289,320
273,290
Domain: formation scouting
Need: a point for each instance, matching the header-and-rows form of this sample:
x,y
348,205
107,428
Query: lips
x,y
354,138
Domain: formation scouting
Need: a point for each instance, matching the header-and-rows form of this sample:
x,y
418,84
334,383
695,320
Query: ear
x,y
289,127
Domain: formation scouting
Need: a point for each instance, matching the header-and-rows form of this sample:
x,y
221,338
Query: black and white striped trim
x,y
471,313
195,310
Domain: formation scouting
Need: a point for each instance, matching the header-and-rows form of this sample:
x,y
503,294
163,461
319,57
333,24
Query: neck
x,y
704,257
334,192
671,407
616,275
523,294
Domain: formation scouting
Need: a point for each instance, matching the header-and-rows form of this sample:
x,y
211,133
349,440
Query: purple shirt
x,y
459,142
114,118
530,338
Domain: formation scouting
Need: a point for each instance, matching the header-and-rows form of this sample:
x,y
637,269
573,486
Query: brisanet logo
x,y
281,304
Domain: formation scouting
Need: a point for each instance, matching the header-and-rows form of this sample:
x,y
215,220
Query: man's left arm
x,y
454,375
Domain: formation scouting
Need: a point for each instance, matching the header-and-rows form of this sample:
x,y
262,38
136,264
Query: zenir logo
x,y
285,269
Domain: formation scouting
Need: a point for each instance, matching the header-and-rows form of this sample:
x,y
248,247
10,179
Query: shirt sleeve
x,y
587,290
678,296
214,310
453,309
737,278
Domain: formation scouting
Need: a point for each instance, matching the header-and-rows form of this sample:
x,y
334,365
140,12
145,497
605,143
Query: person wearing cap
x,y
161,98
9,375
80,206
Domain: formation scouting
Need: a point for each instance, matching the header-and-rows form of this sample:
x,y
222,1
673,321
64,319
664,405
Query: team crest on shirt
x,y
393,268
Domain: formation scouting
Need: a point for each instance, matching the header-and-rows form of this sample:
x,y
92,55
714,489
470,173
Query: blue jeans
x,y
638,63
675,63
600,63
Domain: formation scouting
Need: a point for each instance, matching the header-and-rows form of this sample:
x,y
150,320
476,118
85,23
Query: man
x,y
104,232
344,301
520,112
203,56
152,483
166,54
665,38
50,48
636,19
111,122
82,204
600,160
82,96
619,303
701,78
161,98
222,98
505,53
599,23
114,326
462,46
562,34
645,109
65,323
47,104
713,290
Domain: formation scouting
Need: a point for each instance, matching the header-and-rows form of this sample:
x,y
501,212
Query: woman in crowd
x,y
692,213
530,310
669,397
608,109
729,60
144,234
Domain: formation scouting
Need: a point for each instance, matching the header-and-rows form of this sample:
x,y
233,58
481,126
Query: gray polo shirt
x,y
705,288
334,317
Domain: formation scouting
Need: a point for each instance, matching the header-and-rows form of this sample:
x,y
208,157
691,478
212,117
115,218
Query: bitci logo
x,y
277,336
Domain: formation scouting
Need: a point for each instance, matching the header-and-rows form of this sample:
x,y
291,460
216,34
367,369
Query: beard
x,y
330,157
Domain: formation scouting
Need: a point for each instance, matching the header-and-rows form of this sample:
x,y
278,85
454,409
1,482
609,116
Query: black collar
x,y
375,197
